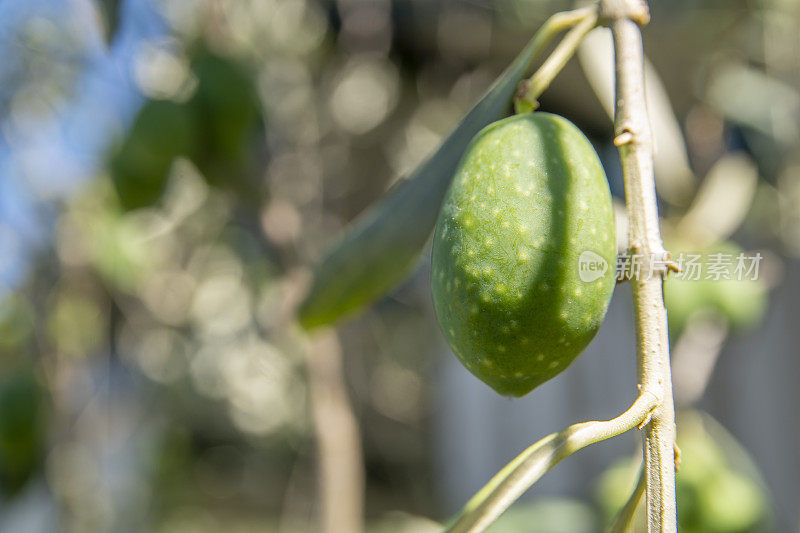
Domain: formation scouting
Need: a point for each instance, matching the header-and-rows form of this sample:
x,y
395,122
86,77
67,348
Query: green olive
x,y
524,252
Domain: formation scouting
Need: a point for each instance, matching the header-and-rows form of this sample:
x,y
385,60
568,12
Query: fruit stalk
x,y
634,139
532,88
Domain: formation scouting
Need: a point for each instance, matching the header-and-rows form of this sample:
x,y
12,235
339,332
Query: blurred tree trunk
x,y
339,456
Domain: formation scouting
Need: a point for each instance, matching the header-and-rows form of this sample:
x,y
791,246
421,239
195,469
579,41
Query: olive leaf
x,y
381,248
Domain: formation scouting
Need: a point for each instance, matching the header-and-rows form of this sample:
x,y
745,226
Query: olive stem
x,y
632,128
562,21
532,88
518,475
622,520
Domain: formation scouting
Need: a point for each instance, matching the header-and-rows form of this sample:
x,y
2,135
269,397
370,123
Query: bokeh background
x,y
169,171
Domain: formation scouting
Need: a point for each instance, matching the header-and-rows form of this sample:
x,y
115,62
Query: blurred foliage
x,y
162,131
17,322
742,301
22,420
226,109
719,488
152,378
214,129
548,515
110,11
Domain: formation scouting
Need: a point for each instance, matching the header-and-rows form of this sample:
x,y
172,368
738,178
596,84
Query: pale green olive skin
x,y
529,200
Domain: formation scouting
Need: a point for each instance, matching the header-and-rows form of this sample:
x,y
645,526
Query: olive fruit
x,y
524,251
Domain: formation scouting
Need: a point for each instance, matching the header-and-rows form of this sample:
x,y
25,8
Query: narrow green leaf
x,y
382,247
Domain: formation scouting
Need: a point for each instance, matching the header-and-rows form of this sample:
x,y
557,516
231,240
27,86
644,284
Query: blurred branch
x,y
634,139
757,100
694,356
674,177
623,519
513,480
531,89
341,468
723,201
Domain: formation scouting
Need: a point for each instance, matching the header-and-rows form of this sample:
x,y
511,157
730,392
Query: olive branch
x,y
513,480
653,410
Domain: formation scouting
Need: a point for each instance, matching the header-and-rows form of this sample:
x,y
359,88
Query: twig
x,y
575,19
625,515
513,480
341,467
563,20
531,89
632,125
